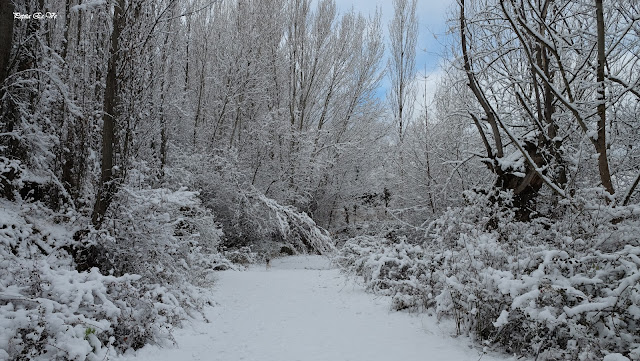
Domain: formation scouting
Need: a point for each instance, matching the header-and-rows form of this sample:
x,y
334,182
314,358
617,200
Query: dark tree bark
x,y
25,56
163,89
601,141
6,35
74,152
107,187
525,189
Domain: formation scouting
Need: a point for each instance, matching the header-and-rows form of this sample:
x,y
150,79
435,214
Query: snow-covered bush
x,y
49,310
247,216
541,301
68,293
242,256
10,171
168,238
565,289
397,269
288,225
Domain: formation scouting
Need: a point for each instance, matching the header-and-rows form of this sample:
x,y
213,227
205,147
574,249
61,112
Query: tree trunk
x,y
601,141
163,91
196,120
106,187
525,189
6,35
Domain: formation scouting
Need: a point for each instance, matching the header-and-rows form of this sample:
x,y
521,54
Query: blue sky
x,y
432,17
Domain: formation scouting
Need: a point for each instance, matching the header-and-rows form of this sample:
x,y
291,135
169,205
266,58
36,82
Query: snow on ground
x,y
302,309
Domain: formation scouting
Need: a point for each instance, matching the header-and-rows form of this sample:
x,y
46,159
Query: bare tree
x,y
524,180
403,34
543,90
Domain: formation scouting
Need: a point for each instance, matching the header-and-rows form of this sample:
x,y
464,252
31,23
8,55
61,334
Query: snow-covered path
x,y
303,310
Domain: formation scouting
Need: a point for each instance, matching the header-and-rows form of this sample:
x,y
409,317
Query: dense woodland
x,y
145,145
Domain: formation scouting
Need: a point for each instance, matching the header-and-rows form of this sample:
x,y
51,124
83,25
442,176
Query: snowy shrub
x,y
10,171
356,251
247,216
289,226
565,289
396,269
242,256
67,293
554,289
46,306
165,236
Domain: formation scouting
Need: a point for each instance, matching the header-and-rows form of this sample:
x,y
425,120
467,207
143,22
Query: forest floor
x,y
303,309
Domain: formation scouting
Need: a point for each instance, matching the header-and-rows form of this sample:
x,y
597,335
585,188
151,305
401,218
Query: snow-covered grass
x,y
302,309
